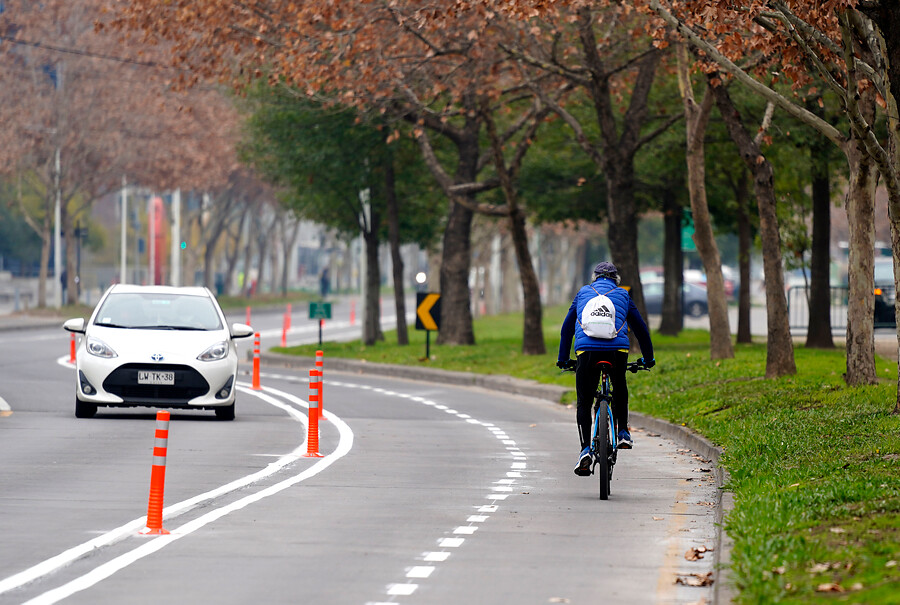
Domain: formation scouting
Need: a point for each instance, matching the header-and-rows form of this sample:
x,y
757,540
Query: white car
x,y
156,346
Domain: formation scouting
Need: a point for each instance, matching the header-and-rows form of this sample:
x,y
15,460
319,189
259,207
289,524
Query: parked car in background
x,y
694,302
156,346
885,293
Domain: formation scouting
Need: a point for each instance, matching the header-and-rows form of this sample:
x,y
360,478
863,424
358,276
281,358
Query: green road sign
x,y
320,310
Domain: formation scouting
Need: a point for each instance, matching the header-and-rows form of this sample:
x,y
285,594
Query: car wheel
x,y
696,309
226,412
84,409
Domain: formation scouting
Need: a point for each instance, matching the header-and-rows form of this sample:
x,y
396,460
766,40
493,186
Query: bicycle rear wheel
x,y
601,449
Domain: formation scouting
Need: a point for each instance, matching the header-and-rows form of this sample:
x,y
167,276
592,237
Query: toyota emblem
x,y
156,357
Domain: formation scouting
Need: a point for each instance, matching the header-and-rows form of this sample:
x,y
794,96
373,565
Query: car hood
x,y
175,346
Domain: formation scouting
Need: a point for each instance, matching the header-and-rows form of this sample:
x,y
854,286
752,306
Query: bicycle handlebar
x,y
634,367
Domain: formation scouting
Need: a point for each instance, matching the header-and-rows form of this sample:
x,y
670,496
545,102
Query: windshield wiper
x,y
169,327
107,324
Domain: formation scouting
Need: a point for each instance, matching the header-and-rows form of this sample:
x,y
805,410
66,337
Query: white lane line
x,y
52,564
402,590
436,557
451,542
420,571
5,410
106,570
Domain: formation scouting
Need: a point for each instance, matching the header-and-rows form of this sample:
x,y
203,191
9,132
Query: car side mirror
x,y
241,331
75,325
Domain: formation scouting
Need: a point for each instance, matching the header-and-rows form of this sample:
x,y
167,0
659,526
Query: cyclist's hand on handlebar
x,y
565,364
647,363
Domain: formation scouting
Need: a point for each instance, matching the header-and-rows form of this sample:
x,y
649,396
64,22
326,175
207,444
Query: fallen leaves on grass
x,y
829,587
696,579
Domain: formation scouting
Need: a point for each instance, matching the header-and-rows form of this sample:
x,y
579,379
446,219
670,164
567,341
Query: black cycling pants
x,y
587,378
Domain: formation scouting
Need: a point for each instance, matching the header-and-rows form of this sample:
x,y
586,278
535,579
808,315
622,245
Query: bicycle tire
x,y
601,449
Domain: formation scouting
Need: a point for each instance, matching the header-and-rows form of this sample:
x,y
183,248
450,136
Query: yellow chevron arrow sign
x,y
428,311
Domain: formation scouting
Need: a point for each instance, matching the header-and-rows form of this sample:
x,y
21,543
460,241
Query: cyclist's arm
x,y
566,333
639,327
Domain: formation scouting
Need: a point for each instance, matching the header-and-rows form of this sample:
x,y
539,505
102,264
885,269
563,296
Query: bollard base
x,y
153,532
313,456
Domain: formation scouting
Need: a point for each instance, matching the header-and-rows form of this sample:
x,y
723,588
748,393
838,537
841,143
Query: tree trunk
x,y
248,255
208,261
232,258
779,346
819,330
887,17
70,261
372,323
744,242
45,259
290,243
696,118
673,265
393,216
456,311
861,299
532,326
623,227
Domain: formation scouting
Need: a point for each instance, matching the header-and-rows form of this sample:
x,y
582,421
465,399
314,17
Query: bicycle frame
x,y
604,444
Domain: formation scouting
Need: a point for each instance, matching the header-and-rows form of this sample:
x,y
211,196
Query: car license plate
x,y
147,377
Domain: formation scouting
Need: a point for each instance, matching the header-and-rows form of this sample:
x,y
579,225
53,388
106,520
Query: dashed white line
x,y
451,542
420,571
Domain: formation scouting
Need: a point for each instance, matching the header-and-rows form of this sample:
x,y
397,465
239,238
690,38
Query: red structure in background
x,y
157,224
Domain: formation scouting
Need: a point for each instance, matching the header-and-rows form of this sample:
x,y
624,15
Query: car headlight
x,y
98,348
214,353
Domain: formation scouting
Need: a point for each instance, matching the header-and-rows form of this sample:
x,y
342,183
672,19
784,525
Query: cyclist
x,y
598,319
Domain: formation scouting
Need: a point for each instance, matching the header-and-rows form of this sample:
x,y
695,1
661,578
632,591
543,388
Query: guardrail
x,y
798,307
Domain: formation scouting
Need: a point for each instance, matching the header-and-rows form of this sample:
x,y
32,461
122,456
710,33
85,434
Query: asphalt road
x,y
425,494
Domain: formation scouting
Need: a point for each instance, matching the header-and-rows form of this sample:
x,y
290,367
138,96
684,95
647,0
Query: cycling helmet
x,y
608,270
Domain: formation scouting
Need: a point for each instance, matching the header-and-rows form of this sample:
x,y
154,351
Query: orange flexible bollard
x,y
72,349
312,437
255,382
284,329
158,477
352,312
248,316
320,367
287,317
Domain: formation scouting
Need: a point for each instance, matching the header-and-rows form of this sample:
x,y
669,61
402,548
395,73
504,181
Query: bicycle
x,y
605,450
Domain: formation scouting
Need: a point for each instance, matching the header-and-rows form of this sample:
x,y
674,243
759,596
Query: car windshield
x,y
158,312
884,271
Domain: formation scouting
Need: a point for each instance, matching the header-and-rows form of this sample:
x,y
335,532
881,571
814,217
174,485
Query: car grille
x,y
123,381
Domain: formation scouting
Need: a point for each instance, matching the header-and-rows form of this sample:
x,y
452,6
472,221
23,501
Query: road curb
x,y
16,323
723,591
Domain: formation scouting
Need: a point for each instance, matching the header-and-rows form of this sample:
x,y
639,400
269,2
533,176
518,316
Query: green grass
x,y
814,464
